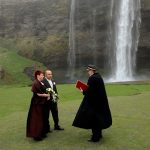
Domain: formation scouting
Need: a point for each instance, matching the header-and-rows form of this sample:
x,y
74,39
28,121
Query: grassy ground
x,y
129,104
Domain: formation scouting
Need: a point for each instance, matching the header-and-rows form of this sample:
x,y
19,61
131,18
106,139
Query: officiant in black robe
x,y
94,112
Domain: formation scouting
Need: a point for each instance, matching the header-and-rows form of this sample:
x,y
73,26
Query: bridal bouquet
x,y
54,94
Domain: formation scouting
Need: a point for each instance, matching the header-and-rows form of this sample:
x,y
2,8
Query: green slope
x,y
13,65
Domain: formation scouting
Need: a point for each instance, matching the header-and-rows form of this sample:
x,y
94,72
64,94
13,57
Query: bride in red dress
x,y
35,120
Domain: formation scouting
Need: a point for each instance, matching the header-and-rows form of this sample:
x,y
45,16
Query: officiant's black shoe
x,y
93,140
97,137
37,139
58,128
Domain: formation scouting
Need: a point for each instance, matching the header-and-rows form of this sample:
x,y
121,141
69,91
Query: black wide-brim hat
x,y
91,67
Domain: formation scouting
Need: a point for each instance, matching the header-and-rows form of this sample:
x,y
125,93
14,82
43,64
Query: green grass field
x,y
129,103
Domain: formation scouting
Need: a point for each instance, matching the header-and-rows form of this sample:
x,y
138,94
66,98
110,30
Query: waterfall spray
x,y
126,35
71,54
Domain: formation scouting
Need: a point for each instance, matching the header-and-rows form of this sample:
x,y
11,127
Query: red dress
x,y
35,119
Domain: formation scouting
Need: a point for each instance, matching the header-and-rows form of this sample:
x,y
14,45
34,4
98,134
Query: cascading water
x,y
77,33
84,32
71,54
93,33
125,39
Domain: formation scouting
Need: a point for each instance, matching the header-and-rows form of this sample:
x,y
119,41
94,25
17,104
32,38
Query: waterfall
x,y
93,33
71,54
84,32
125,42
77,34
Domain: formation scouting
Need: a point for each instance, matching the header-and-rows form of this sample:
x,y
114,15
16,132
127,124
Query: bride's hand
x,y
48,96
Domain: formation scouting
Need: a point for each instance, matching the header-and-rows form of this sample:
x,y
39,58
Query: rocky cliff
x,y
143,54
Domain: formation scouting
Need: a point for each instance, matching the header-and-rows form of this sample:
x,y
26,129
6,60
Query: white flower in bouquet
x,y
54,94
48,90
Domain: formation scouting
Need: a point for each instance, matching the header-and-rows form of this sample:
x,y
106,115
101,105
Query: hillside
x,y
13,66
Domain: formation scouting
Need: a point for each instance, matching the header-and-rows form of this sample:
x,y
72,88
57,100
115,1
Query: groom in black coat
x,y
94,112
51,104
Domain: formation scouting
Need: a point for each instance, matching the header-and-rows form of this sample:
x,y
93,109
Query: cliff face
x,y
143,54
32,17
40,29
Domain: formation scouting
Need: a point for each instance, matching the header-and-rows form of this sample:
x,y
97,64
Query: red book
x,y
81,85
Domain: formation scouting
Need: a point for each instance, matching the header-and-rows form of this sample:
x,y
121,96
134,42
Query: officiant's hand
x,y
81,90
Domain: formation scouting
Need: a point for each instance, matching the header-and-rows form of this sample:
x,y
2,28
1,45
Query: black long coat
x,y
94,110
